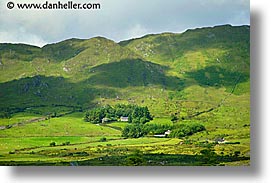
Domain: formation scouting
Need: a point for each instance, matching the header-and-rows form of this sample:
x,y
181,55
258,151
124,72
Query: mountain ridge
x,y
154,70
131,39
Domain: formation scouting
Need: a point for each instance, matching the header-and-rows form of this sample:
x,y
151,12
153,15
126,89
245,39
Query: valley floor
x,y
69,141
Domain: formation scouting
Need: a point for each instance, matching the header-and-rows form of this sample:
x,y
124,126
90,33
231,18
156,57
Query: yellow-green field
x,y
80,143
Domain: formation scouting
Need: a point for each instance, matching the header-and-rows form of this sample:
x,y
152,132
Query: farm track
x,y
220,103
113,127
33,120
22,123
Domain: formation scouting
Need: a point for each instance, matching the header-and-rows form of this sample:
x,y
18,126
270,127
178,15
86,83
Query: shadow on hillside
x,y
216,76
41,90
70,48
48,91
134,72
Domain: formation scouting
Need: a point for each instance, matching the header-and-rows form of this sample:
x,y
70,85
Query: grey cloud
x,y
117,20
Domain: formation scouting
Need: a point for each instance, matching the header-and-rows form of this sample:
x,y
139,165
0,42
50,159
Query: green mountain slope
x,y
185,73
223,46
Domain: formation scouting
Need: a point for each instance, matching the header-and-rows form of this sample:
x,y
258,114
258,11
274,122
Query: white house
x,y
167,132
125,119
163,135
104,120
160,135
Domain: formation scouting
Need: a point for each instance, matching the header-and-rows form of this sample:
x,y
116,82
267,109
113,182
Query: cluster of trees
x,y
187,129
153,129
135,114
177,131
133,131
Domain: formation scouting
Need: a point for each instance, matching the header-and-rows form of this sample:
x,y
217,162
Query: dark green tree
x,y
133,131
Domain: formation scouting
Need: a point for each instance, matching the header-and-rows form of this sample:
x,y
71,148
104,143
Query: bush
x,y
52,144
156,128
174,118
65,143
184,130
103,139
208,152
133,131
237,153
135,159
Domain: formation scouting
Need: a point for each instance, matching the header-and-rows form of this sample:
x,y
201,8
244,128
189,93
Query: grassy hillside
x,y
171,73
201,75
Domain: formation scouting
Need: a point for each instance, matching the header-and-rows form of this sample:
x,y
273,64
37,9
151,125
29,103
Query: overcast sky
x,y
117,19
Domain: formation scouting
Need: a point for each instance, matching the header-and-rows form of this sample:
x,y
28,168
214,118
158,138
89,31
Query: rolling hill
x,y
188,71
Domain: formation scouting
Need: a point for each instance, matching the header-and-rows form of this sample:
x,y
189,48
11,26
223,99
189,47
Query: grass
x,y
158,149
11,144
85,145
120,125
62,126
19,117
161,121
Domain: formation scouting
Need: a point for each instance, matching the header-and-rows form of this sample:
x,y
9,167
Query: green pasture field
x,y
79,142
19,117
